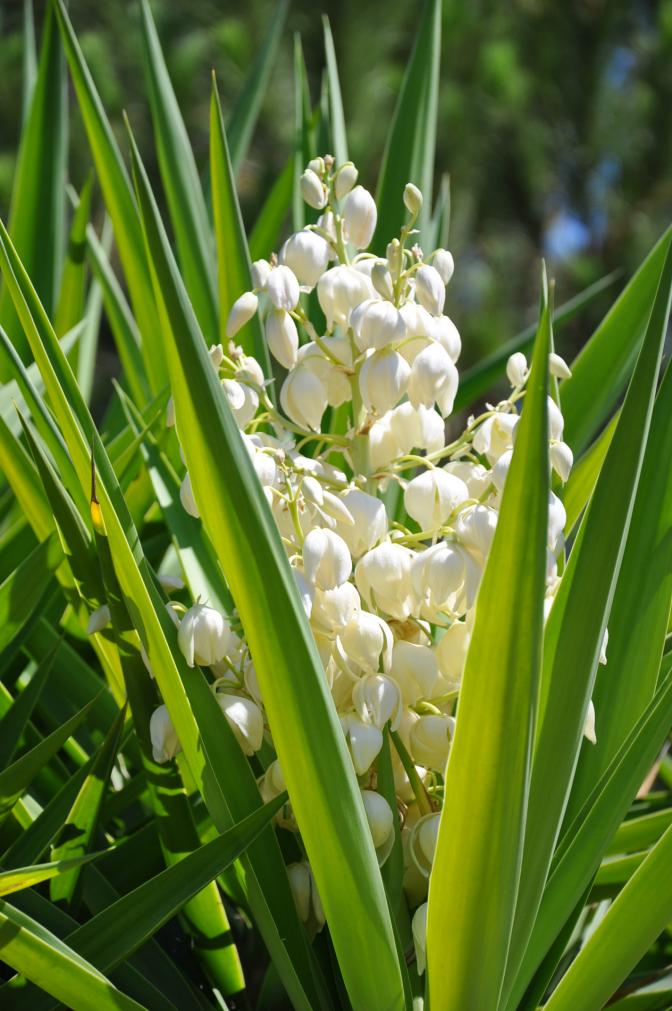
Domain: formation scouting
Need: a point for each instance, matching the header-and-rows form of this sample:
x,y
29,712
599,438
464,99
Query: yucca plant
x,y
301,700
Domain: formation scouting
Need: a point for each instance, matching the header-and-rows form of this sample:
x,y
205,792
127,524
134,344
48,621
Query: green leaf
x,y
29,59
411,142
265,234
237,518
18,776
474,877
193,232
80,826
115,933
36,217
233,258
118,199
40,956
26,877
70,306
22,590
636,918
610,354
579,487
480,377
246,110
575,627
639,833
336,115
13,723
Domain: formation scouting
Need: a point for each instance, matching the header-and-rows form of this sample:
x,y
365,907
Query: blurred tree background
x,y
553,123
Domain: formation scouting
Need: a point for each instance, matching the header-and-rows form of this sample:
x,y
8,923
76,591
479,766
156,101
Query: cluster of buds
x,y
386,524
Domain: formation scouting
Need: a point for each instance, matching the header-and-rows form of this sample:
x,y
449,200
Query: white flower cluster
x,y
389,592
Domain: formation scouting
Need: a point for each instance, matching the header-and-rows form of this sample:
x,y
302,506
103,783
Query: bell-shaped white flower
x,y
383,378
282,288
307,256
204,636
260,270
419,931
558,367
517,369
443,261
359,217
364,739
303,397
496,435
367,642
432,496
557,518
603,648
422,843
242,400
326,559
377,699
313,190
242,311
562,459
187,498
282,337
430,290
245,719
430,741
369,521
383,577
306,591
334,609
381,823
340,290
433,379
272,782
300,885
475,528
438,575
417,428
165,744
98,619
556,422
384,444
446,333
345,179
415,670
476,477
451,651
377,323
500,471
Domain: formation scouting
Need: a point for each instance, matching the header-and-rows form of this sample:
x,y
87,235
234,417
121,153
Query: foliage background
x,y
553,124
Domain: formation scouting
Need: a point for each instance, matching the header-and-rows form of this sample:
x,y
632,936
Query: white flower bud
x,y
313,190
165,744
369,521
367,642
170,583
433,379
415,670
359,217
272,782
476,526
303,398
316,165
432,496
419,931
379,816
242,311
381,280
300,885
98,619
282,288
383,577
170,413
412,199
340,290
558,367
430,290
326,559
187,498
365,741
383,379
517,369
442,260
556,422
259,271
557,518
376,323
377,700
307,256
562,459
424,836
589,724
346,177
204,636
603,649
245,719
282,337
430,741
